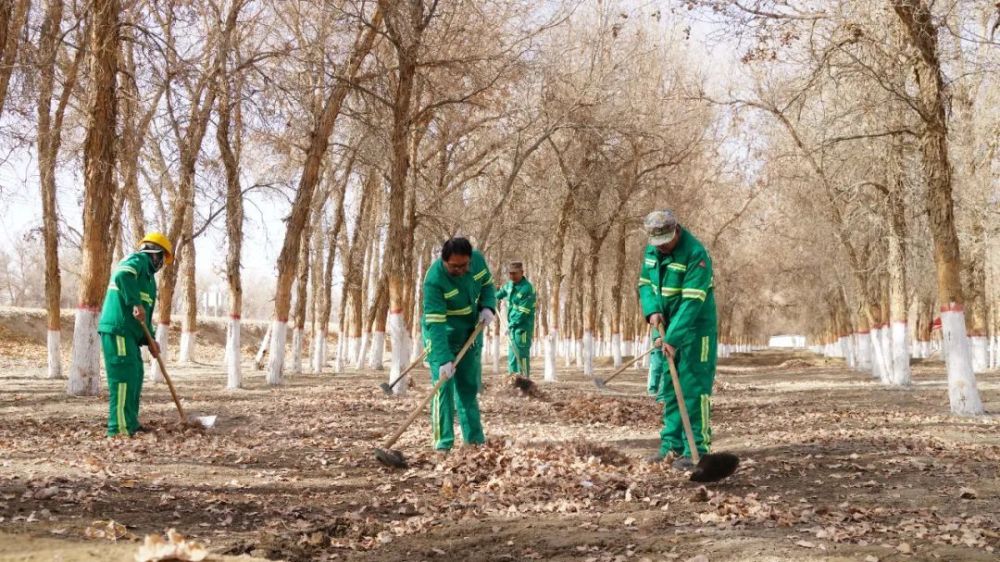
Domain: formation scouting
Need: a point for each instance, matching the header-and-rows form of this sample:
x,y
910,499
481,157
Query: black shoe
x,y
684,464
141,429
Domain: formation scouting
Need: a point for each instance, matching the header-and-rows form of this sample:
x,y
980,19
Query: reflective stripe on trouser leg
x,y
121,398
706,422
442,412
466,389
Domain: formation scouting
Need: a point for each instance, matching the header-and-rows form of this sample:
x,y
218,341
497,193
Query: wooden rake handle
x,y
423,403
412,366
163,369
630,362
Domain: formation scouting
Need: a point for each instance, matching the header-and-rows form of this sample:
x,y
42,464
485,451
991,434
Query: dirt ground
x,y
834,467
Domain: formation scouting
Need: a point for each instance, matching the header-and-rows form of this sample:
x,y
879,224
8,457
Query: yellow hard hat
x,y
161,241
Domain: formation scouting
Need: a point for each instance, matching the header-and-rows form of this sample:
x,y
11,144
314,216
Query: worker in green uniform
x,y
458,294
676,295
520,319
128,302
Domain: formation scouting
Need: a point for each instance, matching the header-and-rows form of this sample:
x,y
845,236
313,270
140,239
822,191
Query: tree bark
x,y
98,196
13,18
230,110
922,34
49,140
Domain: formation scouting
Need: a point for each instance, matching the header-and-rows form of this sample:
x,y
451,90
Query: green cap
x,y
661,227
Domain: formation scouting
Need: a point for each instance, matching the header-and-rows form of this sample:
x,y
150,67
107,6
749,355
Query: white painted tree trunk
x,y
234,377
185,354
925,349
496,355
878,359
418,345
900,354
296,364
962,391
887,349
359,358
338,361
279,331
864,363
569,353
85,366
551,342
352,351
587,352
162,331
980,354
377,352
995,353
265,341
400,350
319,352
849,355
52,340
616,350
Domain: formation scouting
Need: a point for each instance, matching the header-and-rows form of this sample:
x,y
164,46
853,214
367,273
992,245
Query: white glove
x,y
656,319
446,371
486,316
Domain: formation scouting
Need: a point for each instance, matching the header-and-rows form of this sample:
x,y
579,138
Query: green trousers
x,y
460,392
123,364
696,372
519,353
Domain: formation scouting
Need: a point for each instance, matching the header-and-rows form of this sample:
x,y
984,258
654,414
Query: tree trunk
x,y
13,18
189,328
590,304
616,295
48,149
922,34
319,142
229,110
98,196
302,292
896,265
320,336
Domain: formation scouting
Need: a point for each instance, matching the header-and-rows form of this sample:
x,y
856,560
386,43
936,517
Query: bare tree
x,y
99,192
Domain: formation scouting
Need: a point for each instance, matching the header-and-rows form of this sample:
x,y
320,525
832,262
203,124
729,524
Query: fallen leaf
x,y
110,530
175,547
967,494
805,544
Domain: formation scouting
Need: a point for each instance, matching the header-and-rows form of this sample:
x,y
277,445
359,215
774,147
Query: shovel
x,y
391,457
711,467
602,383
387,386
201,421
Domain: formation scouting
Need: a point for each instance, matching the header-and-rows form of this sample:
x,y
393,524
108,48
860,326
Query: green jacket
x,y
132,283
679,286
452,306
521,307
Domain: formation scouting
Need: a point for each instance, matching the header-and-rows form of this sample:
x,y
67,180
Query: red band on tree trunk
x,y
953,307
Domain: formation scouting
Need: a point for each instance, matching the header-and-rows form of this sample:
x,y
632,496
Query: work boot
x,y
684,464
141,429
